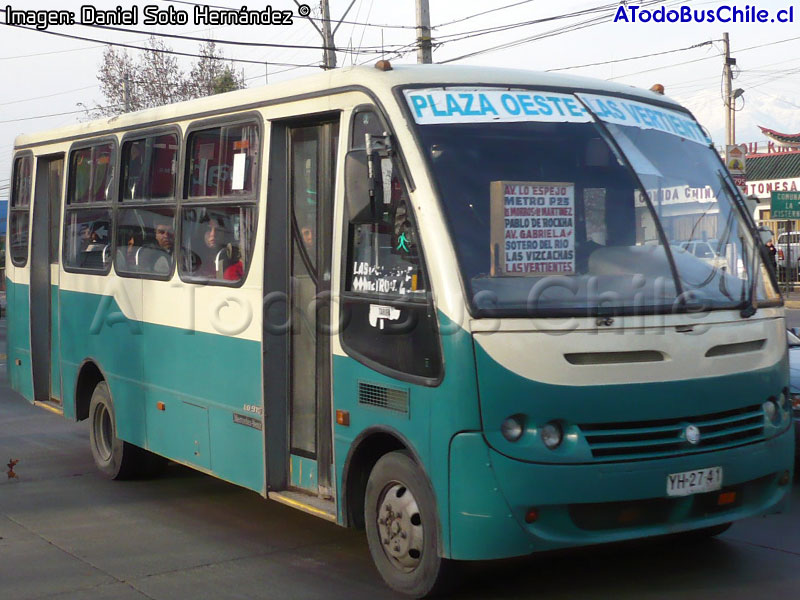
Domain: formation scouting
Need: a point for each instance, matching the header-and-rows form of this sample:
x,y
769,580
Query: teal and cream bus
x,y
452,306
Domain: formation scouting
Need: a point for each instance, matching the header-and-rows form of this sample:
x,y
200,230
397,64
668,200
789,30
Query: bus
x,y
452,306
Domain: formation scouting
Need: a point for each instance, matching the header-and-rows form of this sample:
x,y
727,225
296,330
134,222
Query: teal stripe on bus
x,y
203,379
18,338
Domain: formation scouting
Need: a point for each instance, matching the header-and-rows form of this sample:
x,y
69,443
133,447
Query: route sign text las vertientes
x,y
785,205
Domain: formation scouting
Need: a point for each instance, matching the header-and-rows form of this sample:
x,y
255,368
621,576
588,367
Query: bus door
x,y
44,279
297,362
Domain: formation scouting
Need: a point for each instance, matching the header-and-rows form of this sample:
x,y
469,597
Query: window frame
x,y
253,199
120,205
77,207
363,297
16,209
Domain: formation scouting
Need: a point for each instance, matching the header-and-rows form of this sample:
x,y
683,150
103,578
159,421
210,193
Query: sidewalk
x,y
792,299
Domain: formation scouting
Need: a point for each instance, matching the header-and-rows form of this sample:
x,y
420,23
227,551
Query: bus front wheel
x,y
402,528
115,458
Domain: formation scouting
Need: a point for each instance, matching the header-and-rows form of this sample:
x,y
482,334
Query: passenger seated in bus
x,y
133,243
97,252
159,250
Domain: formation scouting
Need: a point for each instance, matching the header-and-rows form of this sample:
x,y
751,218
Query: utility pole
x,y
727,77
424,49
329,54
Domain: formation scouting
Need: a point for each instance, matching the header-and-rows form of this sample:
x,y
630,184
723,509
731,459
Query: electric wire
x,y
143,48
320,19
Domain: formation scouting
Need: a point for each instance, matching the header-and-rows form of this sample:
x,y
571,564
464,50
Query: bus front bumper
x,y
577,505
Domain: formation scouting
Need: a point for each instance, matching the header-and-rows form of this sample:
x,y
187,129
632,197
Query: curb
x,y
791,303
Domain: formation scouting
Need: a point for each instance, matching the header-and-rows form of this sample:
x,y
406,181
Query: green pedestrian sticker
x,y
403,245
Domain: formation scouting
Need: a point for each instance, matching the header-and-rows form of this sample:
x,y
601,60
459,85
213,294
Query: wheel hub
x,y
400,527
103,432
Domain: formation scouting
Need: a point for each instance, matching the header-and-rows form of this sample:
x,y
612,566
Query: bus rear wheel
x,y
115,458
402,528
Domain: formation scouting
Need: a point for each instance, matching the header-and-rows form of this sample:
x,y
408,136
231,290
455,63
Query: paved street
x,y
67,533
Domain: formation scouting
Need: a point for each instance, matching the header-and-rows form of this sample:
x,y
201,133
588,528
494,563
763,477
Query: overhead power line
x,y
88,87
608,9
226,42
616,60
382,26
145,49
480,14
74,112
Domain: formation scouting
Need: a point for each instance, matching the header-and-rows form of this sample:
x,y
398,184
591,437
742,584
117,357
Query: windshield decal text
x,y
490,105
621,111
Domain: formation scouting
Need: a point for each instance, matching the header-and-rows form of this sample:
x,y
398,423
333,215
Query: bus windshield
x,y
571,216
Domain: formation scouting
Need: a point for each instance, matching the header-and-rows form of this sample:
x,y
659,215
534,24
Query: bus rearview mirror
x,y
362,192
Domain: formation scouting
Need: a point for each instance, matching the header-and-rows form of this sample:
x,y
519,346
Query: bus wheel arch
x,y
365,451
89,375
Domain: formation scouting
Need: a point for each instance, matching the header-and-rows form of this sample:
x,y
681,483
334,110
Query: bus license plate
x,y
694,482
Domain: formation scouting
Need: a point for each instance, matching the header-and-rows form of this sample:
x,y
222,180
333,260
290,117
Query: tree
x,y
210,75
154,78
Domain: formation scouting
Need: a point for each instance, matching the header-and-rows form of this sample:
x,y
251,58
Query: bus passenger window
x,y
88,216
217,242
146,219
217,239
223,161
20,211
145,240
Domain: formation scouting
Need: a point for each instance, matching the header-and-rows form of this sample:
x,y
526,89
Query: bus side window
x,y
20,210
388,321
146,215
88,216
222,163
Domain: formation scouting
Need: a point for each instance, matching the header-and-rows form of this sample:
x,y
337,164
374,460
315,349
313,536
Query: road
x,y
793,318
66,533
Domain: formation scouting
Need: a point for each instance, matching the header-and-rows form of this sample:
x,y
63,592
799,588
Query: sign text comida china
x,y
533,228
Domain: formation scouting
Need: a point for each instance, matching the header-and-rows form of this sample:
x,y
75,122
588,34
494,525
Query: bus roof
x,y
381,82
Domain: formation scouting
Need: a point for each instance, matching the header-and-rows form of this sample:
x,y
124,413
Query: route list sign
x,y
533,228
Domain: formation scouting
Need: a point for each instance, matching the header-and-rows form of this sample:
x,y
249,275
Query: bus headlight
x,y
770,408
513,428
552,435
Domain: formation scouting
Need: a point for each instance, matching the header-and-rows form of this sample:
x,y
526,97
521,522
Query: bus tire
x,y
114,458
403,528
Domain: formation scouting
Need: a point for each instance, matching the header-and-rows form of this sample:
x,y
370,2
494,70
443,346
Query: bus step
x,y
324,509
53,406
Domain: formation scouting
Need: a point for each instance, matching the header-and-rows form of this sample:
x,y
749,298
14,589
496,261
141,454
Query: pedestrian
x,y
773,254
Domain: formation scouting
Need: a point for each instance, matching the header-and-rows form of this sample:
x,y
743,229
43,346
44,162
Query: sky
x,y
43,74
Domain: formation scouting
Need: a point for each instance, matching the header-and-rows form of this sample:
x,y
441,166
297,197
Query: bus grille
x,y
666,437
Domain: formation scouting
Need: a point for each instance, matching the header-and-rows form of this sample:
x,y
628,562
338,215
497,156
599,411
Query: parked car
x,y
793,241
705,251
794,384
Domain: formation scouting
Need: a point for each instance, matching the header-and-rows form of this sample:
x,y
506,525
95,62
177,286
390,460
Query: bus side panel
x,y
93,327
205,382
19,338
435,414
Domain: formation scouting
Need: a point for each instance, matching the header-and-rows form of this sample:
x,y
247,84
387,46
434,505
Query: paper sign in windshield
x,y
492,105
645,116
533,228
